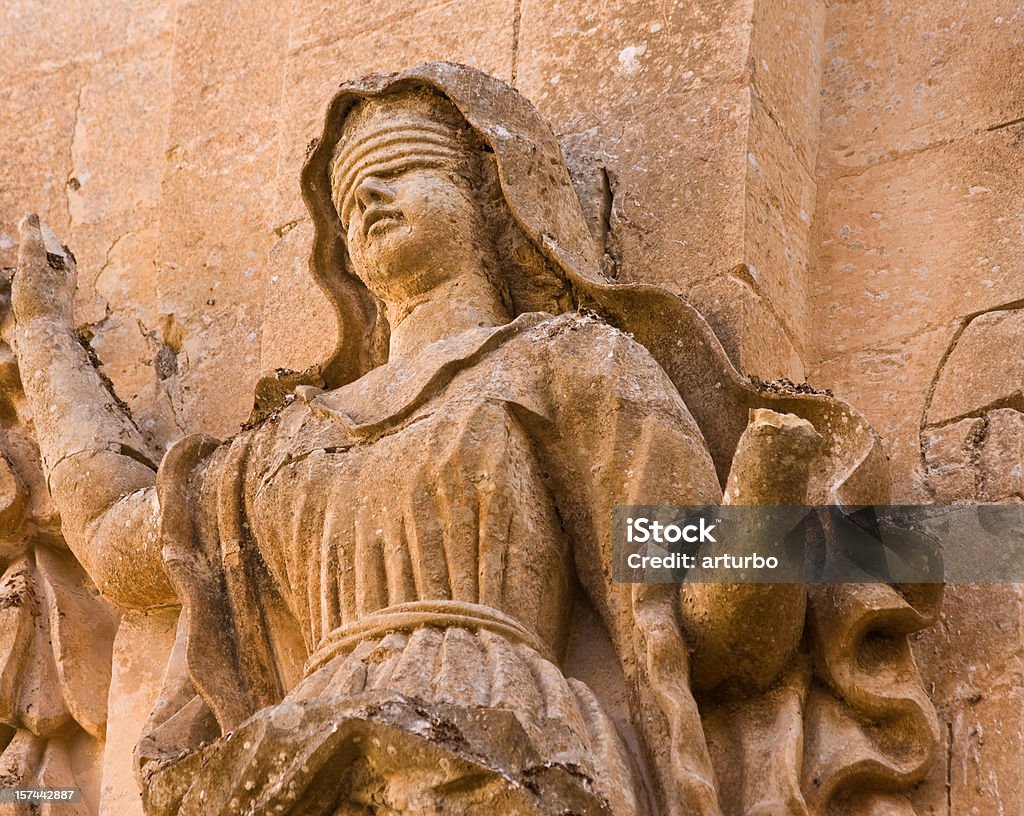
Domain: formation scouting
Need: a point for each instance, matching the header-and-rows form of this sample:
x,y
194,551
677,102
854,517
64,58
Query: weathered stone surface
x,y
667,115
1001,459
36,157
142,649
900,79
290,291
779,201
163,140
887,382
221,149
378,572
786,51
950,457
911,243
686,206
916,236
986,738
967,382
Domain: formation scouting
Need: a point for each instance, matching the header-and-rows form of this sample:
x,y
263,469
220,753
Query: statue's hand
x,y
44,284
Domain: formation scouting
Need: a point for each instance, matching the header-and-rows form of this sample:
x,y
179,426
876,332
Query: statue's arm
x,y
743,636
626,438
94,458
622,436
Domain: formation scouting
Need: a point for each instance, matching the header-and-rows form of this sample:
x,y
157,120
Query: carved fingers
x,y
44,285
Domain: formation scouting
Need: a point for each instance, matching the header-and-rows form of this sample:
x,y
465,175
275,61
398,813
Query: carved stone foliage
x,y
379,575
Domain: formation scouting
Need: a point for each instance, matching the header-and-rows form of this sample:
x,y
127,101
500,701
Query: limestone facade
x,y
836,186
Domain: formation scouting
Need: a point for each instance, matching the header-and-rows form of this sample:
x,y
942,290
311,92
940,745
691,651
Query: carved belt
x,y
407,617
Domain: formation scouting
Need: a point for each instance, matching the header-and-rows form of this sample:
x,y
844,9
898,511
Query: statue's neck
x,y
452,307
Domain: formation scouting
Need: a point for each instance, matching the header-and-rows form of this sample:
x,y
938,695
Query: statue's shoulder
x,y
586,344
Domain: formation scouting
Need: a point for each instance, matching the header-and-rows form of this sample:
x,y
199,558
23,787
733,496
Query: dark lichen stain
x,y
784,385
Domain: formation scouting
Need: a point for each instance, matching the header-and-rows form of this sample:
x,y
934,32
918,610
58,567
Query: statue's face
x,y
408,212
405,228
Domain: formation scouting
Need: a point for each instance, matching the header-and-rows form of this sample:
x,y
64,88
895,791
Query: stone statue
x,y
377,574
56,634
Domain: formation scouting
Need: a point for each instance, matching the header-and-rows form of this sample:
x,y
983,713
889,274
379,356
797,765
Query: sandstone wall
x,y
916,272
836,185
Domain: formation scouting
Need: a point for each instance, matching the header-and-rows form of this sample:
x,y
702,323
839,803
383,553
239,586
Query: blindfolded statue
x,y
378,575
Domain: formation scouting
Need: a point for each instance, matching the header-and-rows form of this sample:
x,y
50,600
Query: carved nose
x,y
373,190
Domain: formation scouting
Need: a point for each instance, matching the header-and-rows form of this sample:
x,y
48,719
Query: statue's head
x,y
418,172
443,159
417,194
403,174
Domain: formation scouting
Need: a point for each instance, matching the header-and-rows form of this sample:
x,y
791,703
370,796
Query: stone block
x,y
987,739
983,368
119,137
641,59
39,110
141,652
222,157
778,203
889,384
969,654
786,51
949,454
1002,456
753,335
919,240
903,77
111,28
288,342
30,46
665,103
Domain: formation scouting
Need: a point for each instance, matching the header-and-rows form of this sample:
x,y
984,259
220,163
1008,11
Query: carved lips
x,y
380,217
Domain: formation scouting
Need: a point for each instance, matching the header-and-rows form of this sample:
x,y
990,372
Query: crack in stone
x,y
1001,125
109,252
611,263
954,341
68,187
517,17
949,768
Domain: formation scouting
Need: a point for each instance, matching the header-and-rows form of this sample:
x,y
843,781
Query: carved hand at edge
x,y
744,635
44,284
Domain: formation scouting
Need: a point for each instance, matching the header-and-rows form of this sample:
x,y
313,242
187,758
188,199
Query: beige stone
x,y
1002,456
950,455
429,495
916,239
903,79
986,735
192,122
713,169
140,655
221,149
